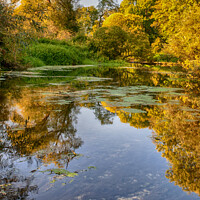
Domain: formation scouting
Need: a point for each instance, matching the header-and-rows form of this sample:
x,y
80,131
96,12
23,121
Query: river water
x,y
82,132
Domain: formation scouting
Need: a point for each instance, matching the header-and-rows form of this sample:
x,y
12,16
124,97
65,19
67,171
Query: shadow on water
x,y
39,114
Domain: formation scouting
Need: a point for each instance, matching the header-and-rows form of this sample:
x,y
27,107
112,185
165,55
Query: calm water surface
x,y
99,133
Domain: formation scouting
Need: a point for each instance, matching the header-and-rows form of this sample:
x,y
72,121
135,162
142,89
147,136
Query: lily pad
x,y
132,110
18,129
92,79
91,167
58,68
61,172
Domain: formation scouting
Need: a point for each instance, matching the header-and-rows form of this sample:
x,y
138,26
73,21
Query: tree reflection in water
x,y
34,129
175,126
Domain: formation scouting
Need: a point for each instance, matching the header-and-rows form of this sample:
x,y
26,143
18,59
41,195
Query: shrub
x,y
32,61
80,39
55,55
165,58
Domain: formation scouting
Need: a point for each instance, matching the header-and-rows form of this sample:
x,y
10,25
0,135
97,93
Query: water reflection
x,y
177,137
34,128
38,119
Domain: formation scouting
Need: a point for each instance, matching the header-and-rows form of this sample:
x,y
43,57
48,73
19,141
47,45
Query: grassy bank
x,y
54,52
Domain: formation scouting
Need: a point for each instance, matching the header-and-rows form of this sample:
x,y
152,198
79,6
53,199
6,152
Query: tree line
x,y
148,30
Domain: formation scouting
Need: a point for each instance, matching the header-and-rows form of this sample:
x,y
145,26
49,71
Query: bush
x,y
80,39
55,55
32,61
165,58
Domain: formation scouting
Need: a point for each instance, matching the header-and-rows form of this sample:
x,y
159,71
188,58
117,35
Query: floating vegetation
x,y
57,68
132,110
18,129
63,102
61,172
190,109
92,79
23,74
91,167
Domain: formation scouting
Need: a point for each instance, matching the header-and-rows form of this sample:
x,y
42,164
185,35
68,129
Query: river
x,y
84,133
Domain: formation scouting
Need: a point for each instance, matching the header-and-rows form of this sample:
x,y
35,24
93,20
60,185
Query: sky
x,y
92,2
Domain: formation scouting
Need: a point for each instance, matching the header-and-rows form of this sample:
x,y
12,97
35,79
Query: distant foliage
x,y
54,42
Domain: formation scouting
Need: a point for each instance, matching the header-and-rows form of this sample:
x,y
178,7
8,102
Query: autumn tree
x,y
127,22
61,12
137,44
128,6
13,35
64,14
105,6
143,8
179,24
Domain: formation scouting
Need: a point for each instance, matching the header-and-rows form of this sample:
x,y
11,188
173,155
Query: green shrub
x,y
80,39
55,55
32,61
165,58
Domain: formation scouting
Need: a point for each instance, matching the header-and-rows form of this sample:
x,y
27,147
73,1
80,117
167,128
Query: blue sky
x,y
92,2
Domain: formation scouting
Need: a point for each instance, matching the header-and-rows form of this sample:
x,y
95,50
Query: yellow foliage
x,y
128,22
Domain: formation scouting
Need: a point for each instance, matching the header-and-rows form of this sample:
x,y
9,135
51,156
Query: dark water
x,y
99,133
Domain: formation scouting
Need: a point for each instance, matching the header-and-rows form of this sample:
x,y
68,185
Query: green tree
x,y
110,41
137,44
